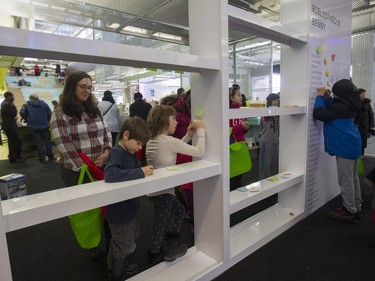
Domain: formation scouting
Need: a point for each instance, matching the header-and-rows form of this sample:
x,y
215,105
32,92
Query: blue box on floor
x,y
12,186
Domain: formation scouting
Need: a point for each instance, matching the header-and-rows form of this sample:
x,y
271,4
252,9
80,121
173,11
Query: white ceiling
x,y
77,18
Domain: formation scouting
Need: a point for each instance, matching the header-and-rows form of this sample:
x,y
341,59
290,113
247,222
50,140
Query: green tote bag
x,y
87,226
240,161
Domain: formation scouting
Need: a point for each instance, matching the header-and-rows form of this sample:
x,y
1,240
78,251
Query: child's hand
x,y
198,124
320,91
191,129
148,170
327,93
102,159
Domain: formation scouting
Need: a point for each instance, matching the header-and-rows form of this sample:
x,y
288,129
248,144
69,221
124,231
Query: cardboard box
x,y
12,186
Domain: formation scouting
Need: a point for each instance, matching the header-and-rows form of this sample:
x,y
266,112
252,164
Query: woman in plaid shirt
x,y
78,126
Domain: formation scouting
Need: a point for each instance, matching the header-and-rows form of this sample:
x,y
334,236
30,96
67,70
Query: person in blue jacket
x,y
342,139
37,115
123,165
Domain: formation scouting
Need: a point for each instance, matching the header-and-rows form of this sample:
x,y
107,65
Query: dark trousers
x,y
235,182
14,142
114,136
169,212
43,143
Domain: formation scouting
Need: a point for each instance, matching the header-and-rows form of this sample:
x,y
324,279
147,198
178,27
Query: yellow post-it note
x,y
273,179
173,168
199,111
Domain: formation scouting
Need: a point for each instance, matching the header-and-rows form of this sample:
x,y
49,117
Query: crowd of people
x,y
79,124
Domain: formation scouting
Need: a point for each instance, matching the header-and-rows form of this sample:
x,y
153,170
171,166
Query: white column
x,y
6,274
208,37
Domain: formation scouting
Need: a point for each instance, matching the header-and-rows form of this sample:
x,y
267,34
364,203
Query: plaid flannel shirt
x,y
90,136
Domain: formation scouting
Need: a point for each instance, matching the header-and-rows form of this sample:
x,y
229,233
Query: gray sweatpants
x,y
347,173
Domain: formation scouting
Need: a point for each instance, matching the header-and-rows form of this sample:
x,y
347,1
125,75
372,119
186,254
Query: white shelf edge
x,y
245,112
253,233
42,207
252,24
265,188
198,263
18,42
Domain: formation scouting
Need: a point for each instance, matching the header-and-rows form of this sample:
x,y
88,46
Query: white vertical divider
x,y
208,37
294,90
6,273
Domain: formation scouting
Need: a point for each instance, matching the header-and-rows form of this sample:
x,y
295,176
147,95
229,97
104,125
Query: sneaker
x,y
369,182
357,214
130,266
173,251
341,214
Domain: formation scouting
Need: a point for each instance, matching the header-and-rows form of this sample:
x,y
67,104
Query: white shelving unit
x,y
247,112
256,231
217,245
37,208
260,190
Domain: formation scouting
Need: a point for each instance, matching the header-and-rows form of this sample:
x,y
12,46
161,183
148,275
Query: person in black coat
x,y
9,126
140,108
365,120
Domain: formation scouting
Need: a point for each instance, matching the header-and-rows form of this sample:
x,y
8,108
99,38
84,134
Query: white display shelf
x,y
38,208
251,234
245,112
253,24
197,262
37,44
262,189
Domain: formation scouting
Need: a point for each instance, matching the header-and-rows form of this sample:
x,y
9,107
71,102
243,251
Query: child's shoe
x,y
154,258
130,266
342,214
173,251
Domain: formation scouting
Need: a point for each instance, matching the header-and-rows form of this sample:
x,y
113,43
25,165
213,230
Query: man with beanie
x,y
140,108
342,139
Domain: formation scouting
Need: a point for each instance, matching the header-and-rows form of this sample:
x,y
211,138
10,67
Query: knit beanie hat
x,y
107,93
108,97
343,88
348,93
272,97
138,95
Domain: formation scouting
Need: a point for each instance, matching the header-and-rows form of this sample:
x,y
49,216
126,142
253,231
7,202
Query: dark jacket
x,y
8,114
139,108
365,121
37,114
122,166
341,135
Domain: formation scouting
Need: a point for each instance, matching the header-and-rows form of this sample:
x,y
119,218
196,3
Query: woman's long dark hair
x,y
68,100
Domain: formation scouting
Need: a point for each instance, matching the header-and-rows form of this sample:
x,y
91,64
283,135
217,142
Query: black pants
x,y
14,142
235,182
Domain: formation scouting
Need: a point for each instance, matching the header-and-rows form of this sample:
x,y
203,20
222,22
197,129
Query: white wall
x,y
161,89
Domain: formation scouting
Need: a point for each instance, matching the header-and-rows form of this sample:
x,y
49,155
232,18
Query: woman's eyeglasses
x,y
86,87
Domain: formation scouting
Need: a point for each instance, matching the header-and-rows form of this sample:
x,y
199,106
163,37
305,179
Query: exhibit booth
x,y
315,42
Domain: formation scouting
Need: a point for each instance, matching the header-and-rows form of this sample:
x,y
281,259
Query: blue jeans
x,y
43,143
